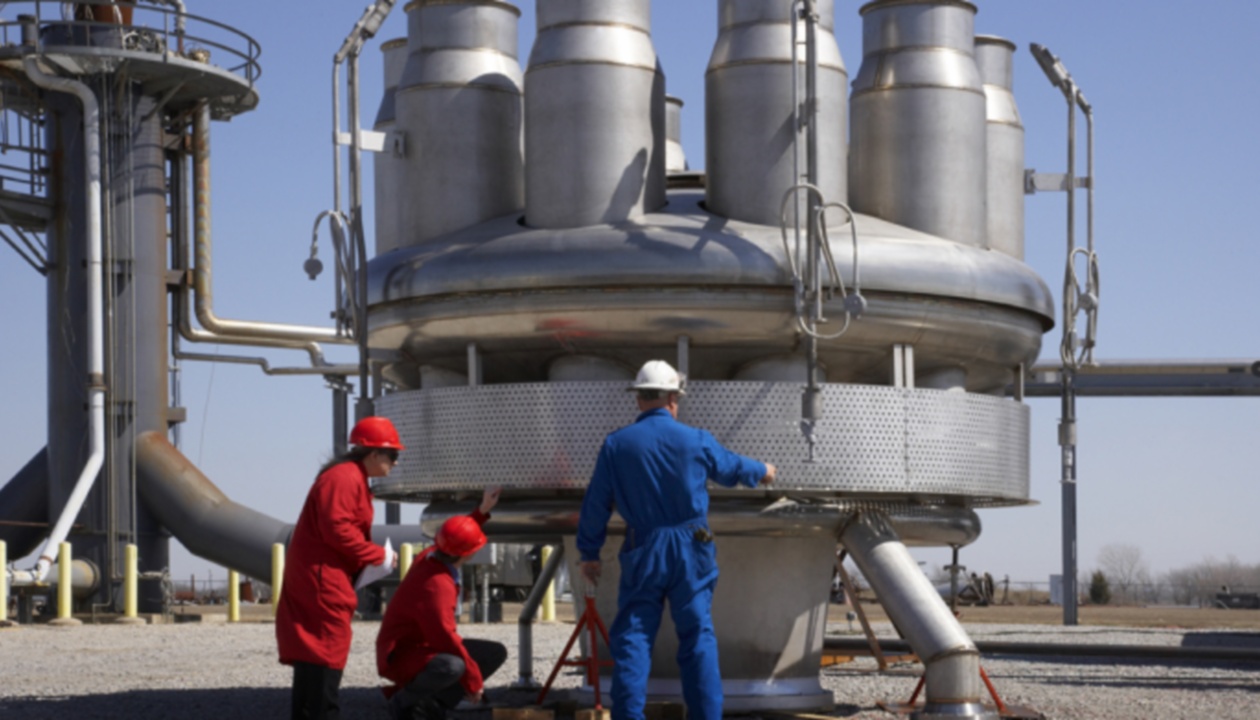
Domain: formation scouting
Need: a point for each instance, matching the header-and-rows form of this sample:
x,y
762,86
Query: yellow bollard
x,y
234,596
549,597
65,594
405,555
131,585
4,582
277,575
130,571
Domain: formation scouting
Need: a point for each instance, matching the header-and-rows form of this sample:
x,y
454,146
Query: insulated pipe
x,y
950,658
202,286
24,507
525,646
95,312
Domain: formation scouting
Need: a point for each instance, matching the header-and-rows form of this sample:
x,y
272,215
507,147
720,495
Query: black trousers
x,y
440,678
315,689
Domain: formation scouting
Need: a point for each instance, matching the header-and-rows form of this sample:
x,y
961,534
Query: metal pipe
x,y
811,403
1067,423
205,520
1091,327
356,223
202,277
95,311
263,363
183,304
485,595
950,658
525,634
855,646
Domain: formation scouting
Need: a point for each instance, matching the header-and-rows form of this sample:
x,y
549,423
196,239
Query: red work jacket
x,y
330,545
419,623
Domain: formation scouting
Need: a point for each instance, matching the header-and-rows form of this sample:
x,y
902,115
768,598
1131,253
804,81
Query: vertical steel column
x,y
811,402
1067,423
137,242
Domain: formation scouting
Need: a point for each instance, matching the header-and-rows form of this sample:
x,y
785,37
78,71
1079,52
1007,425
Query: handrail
x,y
178,40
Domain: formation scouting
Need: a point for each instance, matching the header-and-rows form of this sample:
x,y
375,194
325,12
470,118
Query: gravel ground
x,y
215,670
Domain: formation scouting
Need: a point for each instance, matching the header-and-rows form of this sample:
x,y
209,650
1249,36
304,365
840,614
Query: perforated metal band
x,y
883,441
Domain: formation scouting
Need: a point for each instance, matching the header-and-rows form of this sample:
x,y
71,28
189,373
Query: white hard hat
x,y
658,375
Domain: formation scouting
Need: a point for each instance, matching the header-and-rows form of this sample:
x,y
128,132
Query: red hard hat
x,y
460,536
375,432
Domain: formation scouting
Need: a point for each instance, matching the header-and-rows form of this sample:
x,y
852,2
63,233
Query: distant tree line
x,y
1123,577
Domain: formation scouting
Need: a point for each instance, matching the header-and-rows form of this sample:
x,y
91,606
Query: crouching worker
x,y
418,648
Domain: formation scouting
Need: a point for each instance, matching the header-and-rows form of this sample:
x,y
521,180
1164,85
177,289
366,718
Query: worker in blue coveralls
x,y
654,473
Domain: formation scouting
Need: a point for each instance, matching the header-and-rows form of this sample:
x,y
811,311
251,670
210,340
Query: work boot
x,y
428,709
396,710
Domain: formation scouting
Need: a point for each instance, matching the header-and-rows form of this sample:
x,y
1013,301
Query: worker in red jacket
x,y
418,648
330,546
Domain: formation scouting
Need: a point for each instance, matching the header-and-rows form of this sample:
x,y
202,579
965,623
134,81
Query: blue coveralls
x,y
654,472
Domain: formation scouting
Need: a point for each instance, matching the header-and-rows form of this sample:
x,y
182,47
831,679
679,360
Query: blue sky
x,y
1175,92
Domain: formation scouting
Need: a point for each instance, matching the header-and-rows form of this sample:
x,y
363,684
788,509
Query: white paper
x,y
372,573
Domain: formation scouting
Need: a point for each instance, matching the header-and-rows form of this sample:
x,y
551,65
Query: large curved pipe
x,y
24,507
205,520
950,658
202,286
95,311
209,523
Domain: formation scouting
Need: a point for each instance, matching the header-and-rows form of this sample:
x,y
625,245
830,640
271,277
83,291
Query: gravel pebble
x,y
214,670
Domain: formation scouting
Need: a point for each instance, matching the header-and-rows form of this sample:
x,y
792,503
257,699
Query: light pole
x,y
1073,350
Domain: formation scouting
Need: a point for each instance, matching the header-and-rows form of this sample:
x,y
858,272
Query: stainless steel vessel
x,y
1005,143
749,104
388,165
918,114
595,115
675,156
459,103
518,338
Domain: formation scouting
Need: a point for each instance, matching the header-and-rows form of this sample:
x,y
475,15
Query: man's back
x,y
654,471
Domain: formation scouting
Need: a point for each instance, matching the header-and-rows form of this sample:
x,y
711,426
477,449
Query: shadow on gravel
x,y
356,704
1156,682
1245,640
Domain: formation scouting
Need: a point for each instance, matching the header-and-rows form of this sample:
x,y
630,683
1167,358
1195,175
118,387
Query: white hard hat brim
x,y
654,386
